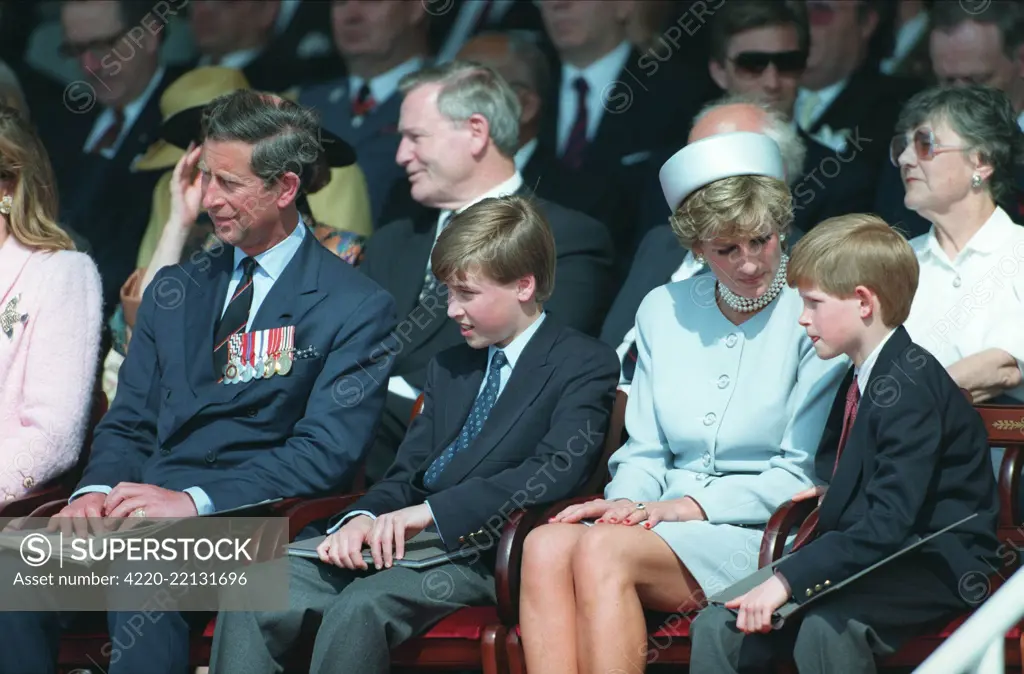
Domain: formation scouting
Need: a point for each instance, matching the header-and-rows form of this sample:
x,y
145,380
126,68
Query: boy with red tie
x,y
905,455
513,418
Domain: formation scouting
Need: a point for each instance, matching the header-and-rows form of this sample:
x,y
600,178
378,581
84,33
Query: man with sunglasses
x,y
108,119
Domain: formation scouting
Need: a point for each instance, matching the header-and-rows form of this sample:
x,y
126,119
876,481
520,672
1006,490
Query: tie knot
x,y
364,92
498,361
248,266
581,86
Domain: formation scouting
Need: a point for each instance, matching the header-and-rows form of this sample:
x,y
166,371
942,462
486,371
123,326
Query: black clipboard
x,y
789,608
422,551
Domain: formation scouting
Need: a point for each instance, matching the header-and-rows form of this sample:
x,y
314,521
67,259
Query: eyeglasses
x,y
925,146
756,62
99,47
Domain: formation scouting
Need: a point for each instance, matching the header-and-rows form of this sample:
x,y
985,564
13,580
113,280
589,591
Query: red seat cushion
x,y
466,623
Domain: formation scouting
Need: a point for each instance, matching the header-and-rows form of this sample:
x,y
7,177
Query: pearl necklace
x,y
746,304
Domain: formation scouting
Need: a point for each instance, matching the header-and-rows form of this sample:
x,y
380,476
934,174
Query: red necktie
x,y
364,102
112,133
577,143
849,416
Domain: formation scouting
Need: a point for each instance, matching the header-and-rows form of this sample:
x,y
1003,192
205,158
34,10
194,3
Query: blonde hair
x,y
854,250
505,239
739,206
25,167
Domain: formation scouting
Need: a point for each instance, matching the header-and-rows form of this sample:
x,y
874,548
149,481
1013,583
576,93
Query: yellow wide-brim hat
x,y
192,90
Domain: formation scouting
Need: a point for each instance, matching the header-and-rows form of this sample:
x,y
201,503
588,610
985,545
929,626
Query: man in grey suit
x,y
380,42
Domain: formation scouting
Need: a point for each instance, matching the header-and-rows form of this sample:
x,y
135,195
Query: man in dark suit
x,y
452,164
245,35
380,42
93,150
499,411
905,455
523,64
613,106
453,23
844,96
203,422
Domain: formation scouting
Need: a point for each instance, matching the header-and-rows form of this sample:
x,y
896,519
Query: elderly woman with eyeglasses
x,y
956,149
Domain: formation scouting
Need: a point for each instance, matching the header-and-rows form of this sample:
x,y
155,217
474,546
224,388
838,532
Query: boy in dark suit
x,y
514,417
905,454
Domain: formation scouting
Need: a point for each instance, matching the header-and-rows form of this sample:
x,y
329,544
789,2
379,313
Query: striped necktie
x,y
235,317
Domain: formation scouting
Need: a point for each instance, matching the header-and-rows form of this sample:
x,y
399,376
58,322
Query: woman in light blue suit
x,y
727,406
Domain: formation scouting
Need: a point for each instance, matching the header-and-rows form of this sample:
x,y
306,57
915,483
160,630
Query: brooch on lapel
x,y
11,317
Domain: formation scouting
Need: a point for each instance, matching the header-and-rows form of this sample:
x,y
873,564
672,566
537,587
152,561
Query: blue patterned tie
x,y
477,416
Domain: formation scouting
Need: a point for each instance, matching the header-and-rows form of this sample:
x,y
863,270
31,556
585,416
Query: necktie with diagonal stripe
x,y
235,317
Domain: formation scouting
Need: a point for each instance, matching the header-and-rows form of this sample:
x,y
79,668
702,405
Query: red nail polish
x,y
647,525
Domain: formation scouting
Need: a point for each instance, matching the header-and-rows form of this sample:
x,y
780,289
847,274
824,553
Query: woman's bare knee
x,y
548,548
600,557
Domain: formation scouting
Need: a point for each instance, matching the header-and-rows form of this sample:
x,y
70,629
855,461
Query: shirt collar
x,y
602,72
863,373
525,153
273,260
990,238
236,59
1020,121
515,348
510,186
384,86
826,95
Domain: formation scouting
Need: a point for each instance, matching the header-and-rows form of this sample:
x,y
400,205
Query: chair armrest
x,y
305,512
1009,487
789,516
25,505
508,564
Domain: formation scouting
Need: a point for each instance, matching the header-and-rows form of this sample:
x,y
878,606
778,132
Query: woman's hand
x,y
131,296
673,510
589,510
187,188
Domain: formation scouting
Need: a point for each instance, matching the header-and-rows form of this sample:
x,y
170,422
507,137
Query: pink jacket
x,y
50,322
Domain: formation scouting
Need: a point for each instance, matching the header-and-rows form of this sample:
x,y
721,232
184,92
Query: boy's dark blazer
x,y
539,444
917,460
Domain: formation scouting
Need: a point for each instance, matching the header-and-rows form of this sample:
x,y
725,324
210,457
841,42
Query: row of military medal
x,y
259,355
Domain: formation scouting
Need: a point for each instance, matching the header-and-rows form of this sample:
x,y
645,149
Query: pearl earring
x,y
782,238
700,260
5,204
976,181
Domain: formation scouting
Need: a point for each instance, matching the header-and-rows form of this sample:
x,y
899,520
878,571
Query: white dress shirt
x,y
863,373
975,301
271,264
600,76
512,353
131,115
398,385
907,38
688,268
384,86
810,105
525,154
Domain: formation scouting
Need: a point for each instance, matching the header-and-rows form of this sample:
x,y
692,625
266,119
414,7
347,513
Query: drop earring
x,y
5,204
976,181
700,260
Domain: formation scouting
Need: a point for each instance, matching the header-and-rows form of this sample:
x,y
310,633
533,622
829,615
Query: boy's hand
x,y
813,492
390,531
757,606
344,548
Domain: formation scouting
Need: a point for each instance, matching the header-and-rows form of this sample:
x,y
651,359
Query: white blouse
x,y
974,302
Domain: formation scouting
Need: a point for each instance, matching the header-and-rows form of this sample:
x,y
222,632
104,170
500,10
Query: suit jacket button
x,y
809,592
28,482
211,457
827,583
462,539
165,451
817,588
251,412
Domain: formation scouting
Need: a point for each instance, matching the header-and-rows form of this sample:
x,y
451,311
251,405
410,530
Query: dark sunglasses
x,y
756,62
925,146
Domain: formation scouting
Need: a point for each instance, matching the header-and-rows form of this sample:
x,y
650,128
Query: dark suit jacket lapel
x,y
849,107
881,382
529,377
205,296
